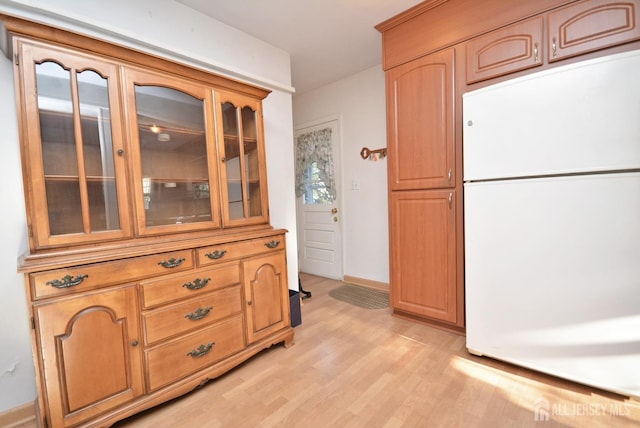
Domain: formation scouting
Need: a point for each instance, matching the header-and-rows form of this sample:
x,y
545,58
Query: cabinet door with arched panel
x,y
266,295
90,353
242,168
420,125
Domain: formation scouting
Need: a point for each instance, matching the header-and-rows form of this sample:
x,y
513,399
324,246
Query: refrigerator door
x,y
579,118
553,276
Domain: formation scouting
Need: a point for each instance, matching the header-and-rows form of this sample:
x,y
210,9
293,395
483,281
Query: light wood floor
x,y
353,367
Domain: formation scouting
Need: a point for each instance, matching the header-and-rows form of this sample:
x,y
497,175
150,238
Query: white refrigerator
x,y
552,222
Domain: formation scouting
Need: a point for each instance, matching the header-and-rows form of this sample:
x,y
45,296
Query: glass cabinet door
x,y
243,172
171,129
73,126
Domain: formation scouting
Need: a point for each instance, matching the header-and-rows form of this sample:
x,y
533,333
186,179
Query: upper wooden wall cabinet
x,y
572,30
114,150
507,50
590,25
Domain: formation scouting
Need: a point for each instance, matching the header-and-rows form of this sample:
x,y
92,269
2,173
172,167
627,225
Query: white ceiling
x,y
327,39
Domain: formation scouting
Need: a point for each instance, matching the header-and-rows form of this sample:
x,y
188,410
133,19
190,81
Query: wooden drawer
x,y
88,277
175,287
191,314
234,250
510,49
176,359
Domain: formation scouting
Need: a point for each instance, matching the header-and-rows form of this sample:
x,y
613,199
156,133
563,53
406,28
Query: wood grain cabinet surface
x,y
89,354
591,25
152,267
510,49
192,314
423,260
422,182
266,296
420,127
120,151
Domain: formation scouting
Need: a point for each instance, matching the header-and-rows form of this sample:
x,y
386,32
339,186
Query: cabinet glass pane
x,y
59,153
173,149
252,166
66,178
98,151
232,164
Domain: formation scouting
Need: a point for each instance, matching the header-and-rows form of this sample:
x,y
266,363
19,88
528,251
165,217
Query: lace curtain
x,y
315,146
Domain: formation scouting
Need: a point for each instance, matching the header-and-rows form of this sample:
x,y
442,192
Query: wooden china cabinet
x,y
432,54
152,265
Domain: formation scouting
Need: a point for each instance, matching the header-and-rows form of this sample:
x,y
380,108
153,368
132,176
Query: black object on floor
x,y
294,302
305,294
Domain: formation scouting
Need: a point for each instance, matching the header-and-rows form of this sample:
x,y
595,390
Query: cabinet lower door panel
x,y
89,354
423,272
267,297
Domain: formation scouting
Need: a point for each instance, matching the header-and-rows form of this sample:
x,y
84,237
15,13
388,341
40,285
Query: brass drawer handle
x,y
171,263
199,313
201,350
196,284
216,254
272,244
67,281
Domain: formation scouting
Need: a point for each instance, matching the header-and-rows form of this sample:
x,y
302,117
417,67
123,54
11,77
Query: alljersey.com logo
x,y
543,410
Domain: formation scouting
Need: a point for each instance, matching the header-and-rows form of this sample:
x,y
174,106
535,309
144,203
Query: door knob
x,y
334,211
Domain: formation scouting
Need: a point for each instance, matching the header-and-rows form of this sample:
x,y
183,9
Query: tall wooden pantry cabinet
x,y
432,54
422,176
152,266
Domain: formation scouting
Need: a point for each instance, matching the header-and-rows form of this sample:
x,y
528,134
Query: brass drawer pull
x,y
216,254
196,284
201,350
199,313
67,281
272,244
171,263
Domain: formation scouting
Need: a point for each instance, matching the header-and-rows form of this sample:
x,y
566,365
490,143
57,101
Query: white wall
x,y
16,365
359,102
169,29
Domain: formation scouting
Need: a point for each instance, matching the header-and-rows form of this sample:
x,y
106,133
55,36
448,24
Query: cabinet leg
x,y
288,340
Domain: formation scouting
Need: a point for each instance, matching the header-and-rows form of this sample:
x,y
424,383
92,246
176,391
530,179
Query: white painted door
x,y
318,209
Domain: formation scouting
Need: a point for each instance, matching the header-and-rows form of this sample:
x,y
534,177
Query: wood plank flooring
x,y
354,367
